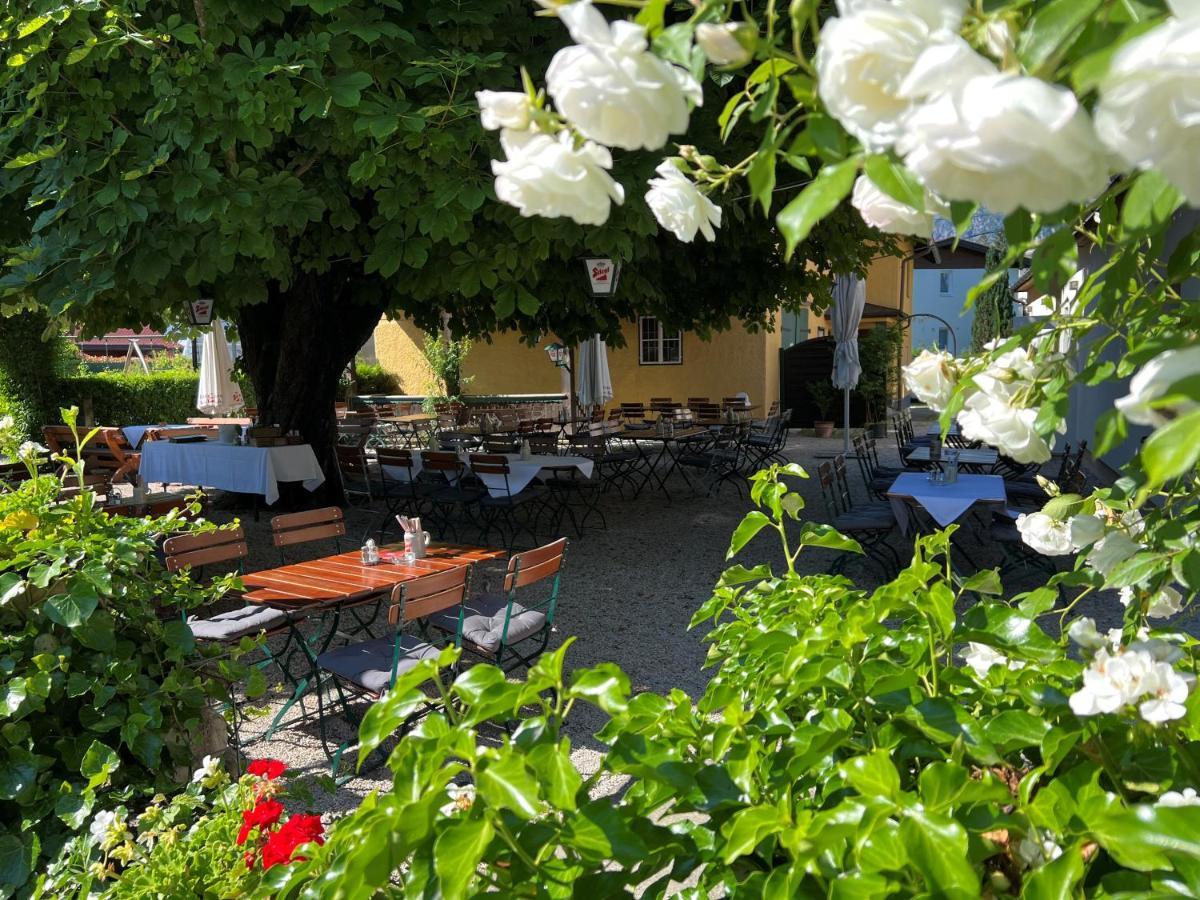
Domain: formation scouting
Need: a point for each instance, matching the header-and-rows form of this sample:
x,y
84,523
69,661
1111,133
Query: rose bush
x,y
923,739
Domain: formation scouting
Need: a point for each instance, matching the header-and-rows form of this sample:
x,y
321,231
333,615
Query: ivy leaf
x,y
815,202
73,608
873,775
557,774
747,829
506,784
14,862
1057,878
605,685
457,852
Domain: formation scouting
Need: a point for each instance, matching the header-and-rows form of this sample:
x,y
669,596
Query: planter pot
x,y
822,429
878,429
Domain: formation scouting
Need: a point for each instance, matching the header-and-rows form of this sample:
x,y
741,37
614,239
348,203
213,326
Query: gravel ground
x,y
628,595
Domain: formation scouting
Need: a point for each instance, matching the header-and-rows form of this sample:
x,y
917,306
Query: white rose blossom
x,y
993,415
980,658
1148,111
612,88
1044,534
1164,604
883,211
1186,797
503,109
1139,674
550,176
875,58
679,206
932,377
1153,382
1005,141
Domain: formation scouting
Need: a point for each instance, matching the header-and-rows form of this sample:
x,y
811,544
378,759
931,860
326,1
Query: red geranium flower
x,y
249,857
265,812
299,829
267,768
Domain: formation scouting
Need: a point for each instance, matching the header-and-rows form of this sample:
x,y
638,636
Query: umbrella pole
x,y
571,369
846,421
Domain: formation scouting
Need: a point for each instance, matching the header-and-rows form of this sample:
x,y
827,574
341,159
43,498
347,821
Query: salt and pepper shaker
x,y
370,553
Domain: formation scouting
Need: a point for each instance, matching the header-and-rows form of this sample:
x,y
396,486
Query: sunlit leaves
x,y
831,185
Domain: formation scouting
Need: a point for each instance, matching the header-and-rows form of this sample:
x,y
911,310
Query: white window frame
x,y
658,342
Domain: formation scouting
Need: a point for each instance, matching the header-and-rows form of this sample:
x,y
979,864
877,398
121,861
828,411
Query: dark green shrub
x,y
375,379
101,701
879,355
30,369
131,399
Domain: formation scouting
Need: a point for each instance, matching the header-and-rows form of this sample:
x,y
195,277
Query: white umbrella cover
x,y
594,385
218,394
849,298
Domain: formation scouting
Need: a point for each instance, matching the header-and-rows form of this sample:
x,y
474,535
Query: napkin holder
x,y
228,434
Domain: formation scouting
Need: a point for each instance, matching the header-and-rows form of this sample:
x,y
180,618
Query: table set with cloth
x,y
231,467
945,503
521,472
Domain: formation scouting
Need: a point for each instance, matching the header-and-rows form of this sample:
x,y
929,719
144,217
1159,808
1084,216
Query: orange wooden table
x,y
343,578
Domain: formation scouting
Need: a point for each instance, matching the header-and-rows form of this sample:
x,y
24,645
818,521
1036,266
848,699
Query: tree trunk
x,y
295,347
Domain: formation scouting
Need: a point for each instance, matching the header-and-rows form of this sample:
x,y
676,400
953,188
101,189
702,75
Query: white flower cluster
x,y
1139,673
981,658
897,74
999,409
108,829
614,92
1055,537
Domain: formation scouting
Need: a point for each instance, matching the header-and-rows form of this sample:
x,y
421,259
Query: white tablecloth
x,y
520,471
944,502
246,470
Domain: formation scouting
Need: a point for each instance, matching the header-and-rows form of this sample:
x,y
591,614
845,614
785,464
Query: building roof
x,y
875,311
116,343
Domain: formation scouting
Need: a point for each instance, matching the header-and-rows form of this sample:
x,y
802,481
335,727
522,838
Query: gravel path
x,y
628,595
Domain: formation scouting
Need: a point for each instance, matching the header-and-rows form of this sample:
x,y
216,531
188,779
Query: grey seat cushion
x,y
483,621
237,623
369,664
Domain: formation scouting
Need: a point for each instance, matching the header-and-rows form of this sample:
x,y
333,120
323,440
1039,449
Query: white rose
x,y
503,109
991,415
1153,381
867,55
1164,604
679,206
883,211
728,44
1148,112
1045,535
1005,141
546,176
1084,530
982,657
1187,797
1167,690
612,88
932,377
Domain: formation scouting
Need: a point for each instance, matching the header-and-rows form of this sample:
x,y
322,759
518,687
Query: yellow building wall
x,y
732,361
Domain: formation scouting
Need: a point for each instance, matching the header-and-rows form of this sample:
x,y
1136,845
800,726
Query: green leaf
x,y
817,534
937,847
346,89
34,156
1057,878
1142,836
873,775
557,774
1051,29
747,828
761,177
896,181
1150,202
816,201
506,784
605,685
752,524
99,762
1172,450
1013,729
14,862
986,581
457,852
73,608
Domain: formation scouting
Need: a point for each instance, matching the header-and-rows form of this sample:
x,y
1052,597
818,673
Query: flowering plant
x,y
215,838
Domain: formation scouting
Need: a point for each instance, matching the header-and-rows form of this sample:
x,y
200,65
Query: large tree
x,y
312,164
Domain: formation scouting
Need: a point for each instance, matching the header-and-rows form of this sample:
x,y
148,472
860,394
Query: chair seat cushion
x,y
369,664
237,623
483,621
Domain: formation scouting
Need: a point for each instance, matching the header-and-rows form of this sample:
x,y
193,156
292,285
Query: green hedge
x,y
373,378
119,399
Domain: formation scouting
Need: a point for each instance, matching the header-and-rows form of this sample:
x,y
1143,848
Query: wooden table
x,y
649,435
336,580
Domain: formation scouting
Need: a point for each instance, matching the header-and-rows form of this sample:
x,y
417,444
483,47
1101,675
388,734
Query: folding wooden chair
x,y
355,472
507,507
370,668
503,631
453,498
869,525
292,529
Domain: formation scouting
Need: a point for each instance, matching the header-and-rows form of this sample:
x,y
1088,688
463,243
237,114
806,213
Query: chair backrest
x,y
773,410
535,565
829,491
496,445
441,461
705,410
353,435
429,594
543,442
165,434
1069,477
633,410
843,483
735,402
311,525
489,464
858,441
396,458
694,401
616,415
194,550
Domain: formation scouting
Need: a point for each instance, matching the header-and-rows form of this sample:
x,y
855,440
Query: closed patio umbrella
x,y
594,385
219,394
849,298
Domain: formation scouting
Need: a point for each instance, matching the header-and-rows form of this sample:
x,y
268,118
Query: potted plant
x,y
822,394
